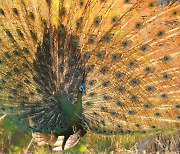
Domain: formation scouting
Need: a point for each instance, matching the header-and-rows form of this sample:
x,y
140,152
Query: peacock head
x,y
82,88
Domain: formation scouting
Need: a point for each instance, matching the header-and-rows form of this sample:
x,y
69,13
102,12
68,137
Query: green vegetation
x,y
16,140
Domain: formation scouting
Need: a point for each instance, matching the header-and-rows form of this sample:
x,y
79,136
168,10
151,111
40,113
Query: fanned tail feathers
x,y
125,52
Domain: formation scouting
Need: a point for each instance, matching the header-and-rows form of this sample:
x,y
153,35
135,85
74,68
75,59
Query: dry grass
x,y
14,140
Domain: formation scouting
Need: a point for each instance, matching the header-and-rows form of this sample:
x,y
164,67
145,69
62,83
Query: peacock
x,y
107,66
